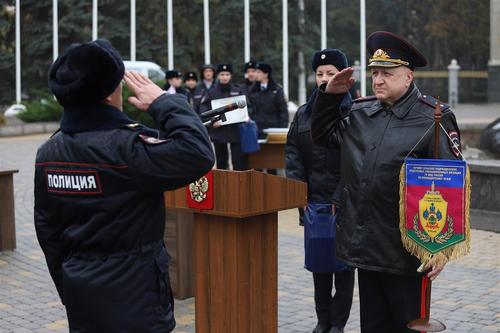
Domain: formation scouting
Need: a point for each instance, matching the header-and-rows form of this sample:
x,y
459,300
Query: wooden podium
x,y
236,250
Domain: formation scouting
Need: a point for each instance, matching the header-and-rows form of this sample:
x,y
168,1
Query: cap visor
x,y
384,64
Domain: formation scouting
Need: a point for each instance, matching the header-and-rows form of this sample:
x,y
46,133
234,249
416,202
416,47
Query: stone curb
x,y
28,129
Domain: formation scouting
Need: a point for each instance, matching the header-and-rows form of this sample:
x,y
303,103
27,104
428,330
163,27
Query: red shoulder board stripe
x,y
365,99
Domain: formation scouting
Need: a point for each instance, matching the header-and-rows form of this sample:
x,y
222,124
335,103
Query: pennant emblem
x,y
432,213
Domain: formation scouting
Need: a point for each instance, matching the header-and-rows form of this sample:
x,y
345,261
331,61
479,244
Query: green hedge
x,y
46,108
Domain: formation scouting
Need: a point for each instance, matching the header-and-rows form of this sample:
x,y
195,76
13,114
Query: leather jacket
x,y
374,140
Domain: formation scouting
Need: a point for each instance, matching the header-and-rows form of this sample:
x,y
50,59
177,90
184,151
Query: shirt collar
x,y
402,105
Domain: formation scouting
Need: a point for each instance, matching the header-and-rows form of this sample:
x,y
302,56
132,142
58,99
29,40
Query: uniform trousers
x,y
333,311
388,301
238,158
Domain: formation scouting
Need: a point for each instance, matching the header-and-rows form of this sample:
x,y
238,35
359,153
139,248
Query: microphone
x,y
205,116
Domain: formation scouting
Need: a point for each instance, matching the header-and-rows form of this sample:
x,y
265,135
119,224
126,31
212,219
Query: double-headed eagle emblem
x,y
199,189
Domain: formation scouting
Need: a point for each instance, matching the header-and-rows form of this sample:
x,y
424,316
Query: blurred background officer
x,y
269,105
228,134
173,82
190,81
319,167
375,136
99,183
207,73
250,76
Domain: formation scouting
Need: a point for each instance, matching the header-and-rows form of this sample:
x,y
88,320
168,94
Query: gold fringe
x,y
454,252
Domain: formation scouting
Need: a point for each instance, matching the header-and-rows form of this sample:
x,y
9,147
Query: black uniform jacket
x,y
99,211
374,140
269,107
201,97
227,133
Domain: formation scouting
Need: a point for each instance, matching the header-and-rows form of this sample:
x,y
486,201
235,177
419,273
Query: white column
x,y
494,32
132,30
323,24
362,44
453,69
247,30
301,67
494,62
170,34
285,47
95,27
18,52
55,31
206,28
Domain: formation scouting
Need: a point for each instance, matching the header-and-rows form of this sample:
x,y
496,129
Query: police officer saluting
x,y
375,136
99,183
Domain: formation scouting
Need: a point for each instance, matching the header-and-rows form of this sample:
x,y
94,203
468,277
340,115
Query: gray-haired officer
x,y
375,136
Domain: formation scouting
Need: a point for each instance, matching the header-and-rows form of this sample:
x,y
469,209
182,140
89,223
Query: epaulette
x,y
133,126
431,102
365,99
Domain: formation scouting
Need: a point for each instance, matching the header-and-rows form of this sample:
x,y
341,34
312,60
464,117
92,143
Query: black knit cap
x,y
224,68
249,64
329,57
190,76
86,73
390,50
266,68
173,73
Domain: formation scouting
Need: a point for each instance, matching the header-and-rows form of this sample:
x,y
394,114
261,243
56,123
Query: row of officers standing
x,y
266,102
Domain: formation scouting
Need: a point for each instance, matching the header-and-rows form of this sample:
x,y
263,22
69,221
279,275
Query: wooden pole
x,y
437,121
426,324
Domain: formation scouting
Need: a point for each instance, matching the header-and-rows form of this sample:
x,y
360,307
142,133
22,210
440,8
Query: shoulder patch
x,y
151,140
455,142
431,102
364,99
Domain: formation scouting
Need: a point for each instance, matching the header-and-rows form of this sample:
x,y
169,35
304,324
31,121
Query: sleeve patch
x,y
455,143
150,140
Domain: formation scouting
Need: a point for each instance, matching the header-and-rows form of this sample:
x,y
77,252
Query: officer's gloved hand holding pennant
x,y
434,215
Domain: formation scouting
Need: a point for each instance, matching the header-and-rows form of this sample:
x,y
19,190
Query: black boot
x,y
321,329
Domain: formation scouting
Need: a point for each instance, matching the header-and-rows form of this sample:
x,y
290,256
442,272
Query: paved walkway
x,y
466,296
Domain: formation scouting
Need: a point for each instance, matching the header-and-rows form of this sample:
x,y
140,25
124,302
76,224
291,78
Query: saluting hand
x,y
145,91
341,82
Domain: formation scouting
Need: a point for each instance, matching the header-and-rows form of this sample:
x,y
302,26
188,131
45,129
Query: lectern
x,y
236,250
